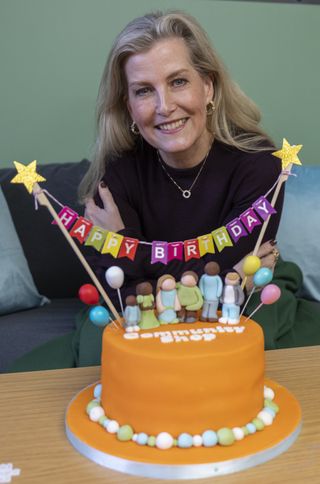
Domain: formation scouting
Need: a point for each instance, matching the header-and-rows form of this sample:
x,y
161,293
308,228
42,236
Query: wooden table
x,y
32,436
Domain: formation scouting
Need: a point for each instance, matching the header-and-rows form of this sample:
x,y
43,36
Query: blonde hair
x,y
235,120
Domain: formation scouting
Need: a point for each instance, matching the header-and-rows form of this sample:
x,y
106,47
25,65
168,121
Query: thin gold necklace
x,y
185,193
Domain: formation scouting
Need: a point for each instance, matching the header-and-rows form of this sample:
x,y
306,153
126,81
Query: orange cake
x,y
183,401
183,378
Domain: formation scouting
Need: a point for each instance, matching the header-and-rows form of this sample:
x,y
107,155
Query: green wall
x,y
52,53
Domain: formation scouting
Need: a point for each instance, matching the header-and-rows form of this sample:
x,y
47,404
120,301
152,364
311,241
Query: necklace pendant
x,y
186,193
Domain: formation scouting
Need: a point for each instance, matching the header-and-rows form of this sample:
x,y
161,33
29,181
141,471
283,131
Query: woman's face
x,y
167,99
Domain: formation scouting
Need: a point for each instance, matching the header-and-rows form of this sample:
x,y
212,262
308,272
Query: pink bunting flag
x,y
67,217
175,251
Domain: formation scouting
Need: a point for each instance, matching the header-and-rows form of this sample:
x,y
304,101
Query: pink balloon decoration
x,y
270,294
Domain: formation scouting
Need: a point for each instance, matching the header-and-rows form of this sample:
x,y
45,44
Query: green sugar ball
x,y
92,404
257,422
271,404
245,430
225,436
125,433
102,419
151,441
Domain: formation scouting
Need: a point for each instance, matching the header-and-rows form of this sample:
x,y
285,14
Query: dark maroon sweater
x,y
153,208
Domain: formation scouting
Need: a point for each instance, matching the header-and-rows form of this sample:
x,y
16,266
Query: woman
x,y
179,153
179,149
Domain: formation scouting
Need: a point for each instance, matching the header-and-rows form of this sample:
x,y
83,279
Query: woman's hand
x,y
108,217
268,256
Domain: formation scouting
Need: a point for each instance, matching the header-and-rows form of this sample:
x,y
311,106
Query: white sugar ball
x,y
197,440
112,427
268,393
95,413
238,433
266,417
164,440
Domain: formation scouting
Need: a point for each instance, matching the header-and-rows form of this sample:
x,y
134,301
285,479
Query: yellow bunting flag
x,y
112,244
206,244
96,237
221,238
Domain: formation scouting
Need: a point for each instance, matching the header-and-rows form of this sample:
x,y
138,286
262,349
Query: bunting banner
x,y
163,252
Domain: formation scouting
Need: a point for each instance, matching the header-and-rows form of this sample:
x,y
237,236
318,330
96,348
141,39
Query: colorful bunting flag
x,y
128,248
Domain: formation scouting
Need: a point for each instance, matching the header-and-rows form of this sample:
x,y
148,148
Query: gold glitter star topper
x,y
27,175
288,154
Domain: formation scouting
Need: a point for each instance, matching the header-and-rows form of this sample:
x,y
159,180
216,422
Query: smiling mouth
x,y
173,125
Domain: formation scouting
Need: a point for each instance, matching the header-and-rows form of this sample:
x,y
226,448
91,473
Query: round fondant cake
x,y
183,401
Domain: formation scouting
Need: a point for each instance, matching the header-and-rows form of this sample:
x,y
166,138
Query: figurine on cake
x,y
231,299
145,299
167,301
210,285
189,296
131,315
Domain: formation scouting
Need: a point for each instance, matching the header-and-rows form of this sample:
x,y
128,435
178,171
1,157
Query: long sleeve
x,y
153,209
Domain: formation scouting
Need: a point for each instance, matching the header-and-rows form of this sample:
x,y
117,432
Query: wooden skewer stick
x,y
283,178
44,201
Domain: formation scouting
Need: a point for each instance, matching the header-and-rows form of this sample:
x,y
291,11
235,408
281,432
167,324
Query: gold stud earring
x,y
210,108
134,128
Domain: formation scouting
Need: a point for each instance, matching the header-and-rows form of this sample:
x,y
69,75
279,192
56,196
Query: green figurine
x,y
190,297
145,299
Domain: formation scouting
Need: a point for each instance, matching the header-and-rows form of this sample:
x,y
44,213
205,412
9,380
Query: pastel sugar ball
x,y
269,410
142,438
238,433
151,441
197,440
225,436
96,413
112,427
125,433
251,427
245,430
270,404
91,405
209,438
268,393
164,441
266,418
97,391
257,422
184,441
102,420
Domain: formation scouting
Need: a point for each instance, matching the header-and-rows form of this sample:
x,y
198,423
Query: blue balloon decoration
x,y
99,316
262,277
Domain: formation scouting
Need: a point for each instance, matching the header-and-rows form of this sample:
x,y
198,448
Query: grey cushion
x,y
17,289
